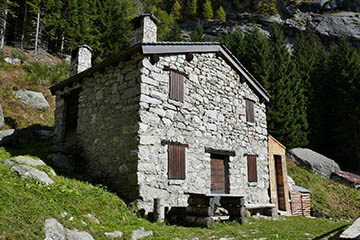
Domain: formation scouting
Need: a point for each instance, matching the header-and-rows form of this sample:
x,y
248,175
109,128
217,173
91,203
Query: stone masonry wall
x,y
211,116
147,33
108,125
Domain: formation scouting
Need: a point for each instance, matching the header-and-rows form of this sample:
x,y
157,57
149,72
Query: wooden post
x,y
159,212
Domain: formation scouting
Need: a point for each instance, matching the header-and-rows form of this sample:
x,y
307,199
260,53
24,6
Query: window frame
x,y
252,168
176,161
176,86
250,110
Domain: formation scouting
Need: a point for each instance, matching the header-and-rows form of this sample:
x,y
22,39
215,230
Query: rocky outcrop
x,y
24,160
34,99
331,25
32,173
2,120
55,231
14,61
314,161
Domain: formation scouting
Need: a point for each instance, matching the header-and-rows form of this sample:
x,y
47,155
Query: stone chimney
x,y
80,59
145,29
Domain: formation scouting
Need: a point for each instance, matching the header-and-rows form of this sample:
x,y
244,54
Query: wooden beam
x,y
154,58
220,152
189,57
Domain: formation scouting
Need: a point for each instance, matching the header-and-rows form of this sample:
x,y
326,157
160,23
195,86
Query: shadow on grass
x,y
28,141
334,234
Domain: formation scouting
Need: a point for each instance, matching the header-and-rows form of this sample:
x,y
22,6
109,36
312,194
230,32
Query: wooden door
x,y
219,174
280,183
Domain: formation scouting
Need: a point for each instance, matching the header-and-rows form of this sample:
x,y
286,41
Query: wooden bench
x,y
262,208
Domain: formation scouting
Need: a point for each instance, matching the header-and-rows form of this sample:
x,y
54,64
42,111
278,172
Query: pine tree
x,y
191,8
207,10
221,15
286,115
341,101
167,22
176,10
198,34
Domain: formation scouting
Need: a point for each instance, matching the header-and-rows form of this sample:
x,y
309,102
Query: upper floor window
x,y
176,86
250,111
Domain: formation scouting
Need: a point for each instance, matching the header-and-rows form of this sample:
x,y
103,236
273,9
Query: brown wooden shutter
x,y
176,87
252,170
250,111
176,161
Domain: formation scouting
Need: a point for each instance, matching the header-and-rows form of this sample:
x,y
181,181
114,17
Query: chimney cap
x,y
152,17
83,46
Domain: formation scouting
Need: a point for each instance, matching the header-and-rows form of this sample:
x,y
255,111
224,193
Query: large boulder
x,y
55,231
29,172
314,161
24,160
2,120
34,99
353,232
8,137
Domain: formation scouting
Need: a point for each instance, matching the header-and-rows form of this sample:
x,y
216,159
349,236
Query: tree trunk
x,y
23,29
3,17
37,32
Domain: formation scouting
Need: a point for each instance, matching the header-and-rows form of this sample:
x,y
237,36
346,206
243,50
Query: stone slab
x,y
353,232
24,160
32,173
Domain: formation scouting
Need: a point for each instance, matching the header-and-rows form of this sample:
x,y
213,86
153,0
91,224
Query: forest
x,y
314,87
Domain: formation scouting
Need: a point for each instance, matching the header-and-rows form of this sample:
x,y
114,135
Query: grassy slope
x,y
328,198
12,77
26,204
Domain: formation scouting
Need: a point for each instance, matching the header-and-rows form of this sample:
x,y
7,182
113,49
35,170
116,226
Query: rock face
x,y
313,161
24,160
32,173
55,231
2,120
34,99
353,232
328,25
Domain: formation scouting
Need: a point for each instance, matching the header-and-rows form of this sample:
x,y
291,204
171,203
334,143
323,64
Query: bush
x,y
38,73
15,53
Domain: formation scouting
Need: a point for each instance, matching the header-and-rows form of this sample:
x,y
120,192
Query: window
x,y
250,111
252,170
176,161
176,86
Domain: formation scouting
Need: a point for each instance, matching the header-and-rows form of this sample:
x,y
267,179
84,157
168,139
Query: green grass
x,y
328,198
38,73
26,204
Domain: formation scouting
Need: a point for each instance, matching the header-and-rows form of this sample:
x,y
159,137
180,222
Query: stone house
x,y
166,118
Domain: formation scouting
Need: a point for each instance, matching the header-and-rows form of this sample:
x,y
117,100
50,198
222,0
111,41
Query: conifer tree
x,y
286,115
191,8
207,10
198,34
176,10
221,15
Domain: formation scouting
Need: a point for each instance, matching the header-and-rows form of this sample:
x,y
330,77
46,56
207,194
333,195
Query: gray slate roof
x,y
168,48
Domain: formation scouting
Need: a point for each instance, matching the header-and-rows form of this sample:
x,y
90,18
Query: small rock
x,y
2,120
24,160
33,99
29,172
83,222
44,134
59,160
115,234
71,219
140,233
91,218
11,60
55,231
63,214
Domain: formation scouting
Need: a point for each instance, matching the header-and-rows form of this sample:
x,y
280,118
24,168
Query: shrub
x,y
15,53
38,73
